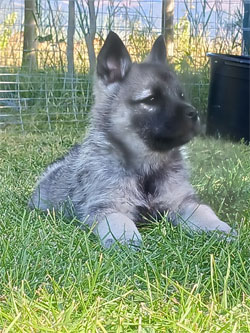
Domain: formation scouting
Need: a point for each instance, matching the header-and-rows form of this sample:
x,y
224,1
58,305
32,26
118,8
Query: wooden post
x,y
70,38
167,26
90,36
29,60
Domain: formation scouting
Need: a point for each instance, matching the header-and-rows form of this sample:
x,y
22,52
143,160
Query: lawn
x,y
57,278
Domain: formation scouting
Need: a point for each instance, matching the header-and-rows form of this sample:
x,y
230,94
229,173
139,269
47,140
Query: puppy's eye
x,y
182,96
149,100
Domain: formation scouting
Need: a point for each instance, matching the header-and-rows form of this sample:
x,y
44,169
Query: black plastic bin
x,y
229,94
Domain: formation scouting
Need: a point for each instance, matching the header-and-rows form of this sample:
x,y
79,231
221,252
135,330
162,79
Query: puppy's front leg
x,y
117,227
202,218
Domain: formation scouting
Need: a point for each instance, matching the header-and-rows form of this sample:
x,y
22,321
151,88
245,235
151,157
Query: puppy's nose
x,y
191,113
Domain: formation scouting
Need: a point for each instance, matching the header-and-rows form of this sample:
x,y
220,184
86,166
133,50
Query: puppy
x,y
130,165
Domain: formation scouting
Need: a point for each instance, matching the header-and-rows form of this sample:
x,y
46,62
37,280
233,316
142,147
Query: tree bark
x,y
167,25
87,22
29,60
90,36
70,38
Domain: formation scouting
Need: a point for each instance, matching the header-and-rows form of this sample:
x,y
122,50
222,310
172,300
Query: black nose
x,y
191,113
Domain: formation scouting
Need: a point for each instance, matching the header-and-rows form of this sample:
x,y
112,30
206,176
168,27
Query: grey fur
x,y
119,172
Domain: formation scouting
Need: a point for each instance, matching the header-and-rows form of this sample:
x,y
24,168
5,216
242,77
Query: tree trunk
x,y
29,60
167,25
246,28
90,36
70,38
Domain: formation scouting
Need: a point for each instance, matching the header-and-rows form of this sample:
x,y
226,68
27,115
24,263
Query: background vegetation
x,y
47,60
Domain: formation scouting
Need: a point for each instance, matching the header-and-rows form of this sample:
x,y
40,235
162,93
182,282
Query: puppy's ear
x,y
158,52
113,61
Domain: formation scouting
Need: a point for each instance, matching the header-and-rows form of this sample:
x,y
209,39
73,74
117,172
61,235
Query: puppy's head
x,y
145,98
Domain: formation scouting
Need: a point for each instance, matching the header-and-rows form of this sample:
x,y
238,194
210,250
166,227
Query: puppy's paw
x,y
219,225
222,230
225,231
134,244
202,218
118,228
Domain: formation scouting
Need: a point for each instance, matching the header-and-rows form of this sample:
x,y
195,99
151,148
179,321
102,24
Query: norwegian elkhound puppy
x,y
130,166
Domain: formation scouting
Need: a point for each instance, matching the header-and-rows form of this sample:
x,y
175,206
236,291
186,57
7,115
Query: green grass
x,y
57,278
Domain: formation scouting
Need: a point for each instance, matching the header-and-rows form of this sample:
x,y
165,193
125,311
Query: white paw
x,y
223,227
132,243
218,225
202,218
117,227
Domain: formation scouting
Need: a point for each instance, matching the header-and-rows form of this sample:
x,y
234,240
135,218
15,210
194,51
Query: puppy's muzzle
x,y
191,113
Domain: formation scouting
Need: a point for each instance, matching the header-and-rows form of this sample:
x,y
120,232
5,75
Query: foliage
x,y
191,48
192,40
139,44
6,29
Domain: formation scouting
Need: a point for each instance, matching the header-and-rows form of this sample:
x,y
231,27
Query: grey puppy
x,y
130,165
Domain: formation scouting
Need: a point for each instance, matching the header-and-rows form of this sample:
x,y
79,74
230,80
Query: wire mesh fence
x,y
48,83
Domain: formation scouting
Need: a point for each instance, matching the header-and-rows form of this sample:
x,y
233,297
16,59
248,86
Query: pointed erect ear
x,y
158,53
113,61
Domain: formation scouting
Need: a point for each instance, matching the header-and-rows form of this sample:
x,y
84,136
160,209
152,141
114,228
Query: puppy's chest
x,y
148,185
150,189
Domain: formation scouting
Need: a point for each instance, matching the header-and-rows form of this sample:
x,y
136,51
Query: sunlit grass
x,y
57,278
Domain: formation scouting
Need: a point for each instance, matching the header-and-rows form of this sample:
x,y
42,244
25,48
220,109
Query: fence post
x,y
167,25
29,60
70,38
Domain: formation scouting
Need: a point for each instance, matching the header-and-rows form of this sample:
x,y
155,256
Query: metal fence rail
x,y
33,101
